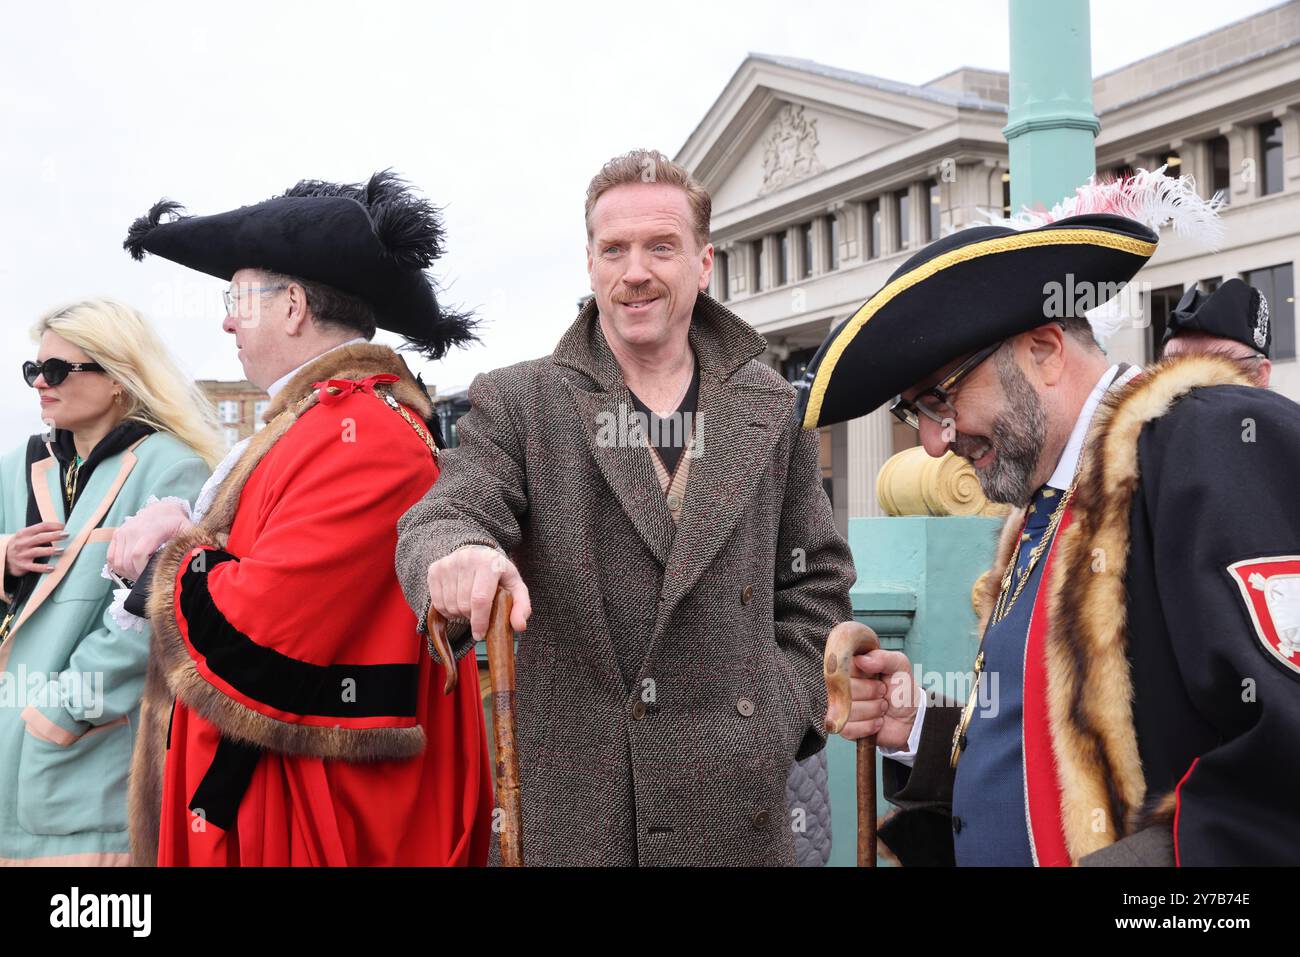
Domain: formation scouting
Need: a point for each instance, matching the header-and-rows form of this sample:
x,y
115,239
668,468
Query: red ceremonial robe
x,y
308,725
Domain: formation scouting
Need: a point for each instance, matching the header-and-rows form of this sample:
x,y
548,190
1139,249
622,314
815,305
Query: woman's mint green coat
x,y
70,677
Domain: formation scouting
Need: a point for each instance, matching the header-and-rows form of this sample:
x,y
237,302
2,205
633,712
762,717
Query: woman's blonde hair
x,y
158,393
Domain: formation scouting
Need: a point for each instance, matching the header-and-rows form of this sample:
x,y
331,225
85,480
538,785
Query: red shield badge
x,y
1270,588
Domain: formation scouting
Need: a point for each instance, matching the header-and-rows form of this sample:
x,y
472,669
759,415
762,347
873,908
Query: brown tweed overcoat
x,y
669,675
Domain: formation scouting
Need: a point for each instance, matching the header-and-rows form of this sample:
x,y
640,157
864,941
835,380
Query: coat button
x,y
674,502
760,820
956,824
747,594
638,710
745,707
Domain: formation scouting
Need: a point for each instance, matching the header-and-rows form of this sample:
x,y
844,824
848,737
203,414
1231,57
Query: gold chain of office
x,y
400,409
1006,598
1001,608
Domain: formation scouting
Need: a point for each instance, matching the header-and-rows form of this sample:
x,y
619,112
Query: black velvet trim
x,y
218,795
285,683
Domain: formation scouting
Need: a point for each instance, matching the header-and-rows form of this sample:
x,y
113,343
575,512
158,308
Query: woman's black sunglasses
x,y
56,370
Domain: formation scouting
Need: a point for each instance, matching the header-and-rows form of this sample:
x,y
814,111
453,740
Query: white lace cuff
x,y
123,618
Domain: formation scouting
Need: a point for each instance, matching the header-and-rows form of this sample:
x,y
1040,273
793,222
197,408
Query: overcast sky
x,y
500,112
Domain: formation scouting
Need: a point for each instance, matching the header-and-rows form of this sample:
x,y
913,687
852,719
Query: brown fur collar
x,y
352,362
1090,690
171,672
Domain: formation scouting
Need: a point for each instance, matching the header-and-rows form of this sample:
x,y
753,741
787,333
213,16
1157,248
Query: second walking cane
x,y
847,639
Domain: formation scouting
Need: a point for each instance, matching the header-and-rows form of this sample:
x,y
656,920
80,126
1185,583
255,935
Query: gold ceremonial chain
x,y
420,430
1001,608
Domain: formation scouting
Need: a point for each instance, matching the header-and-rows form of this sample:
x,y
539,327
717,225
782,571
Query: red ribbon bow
x,y
333,391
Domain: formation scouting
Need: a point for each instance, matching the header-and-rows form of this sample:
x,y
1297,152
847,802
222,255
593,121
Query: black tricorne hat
x,y
1233,311
961,293
373,240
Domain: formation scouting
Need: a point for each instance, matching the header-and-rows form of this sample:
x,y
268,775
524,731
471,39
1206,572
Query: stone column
x,y
851,245
821,240
919,203
771,253
888,224
840,474
1290,117
715,282
796,254
870,445
1196,163
1242,146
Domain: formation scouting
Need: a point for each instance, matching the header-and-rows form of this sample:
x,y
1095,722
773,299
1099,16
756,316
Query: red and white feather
x,y
1149,197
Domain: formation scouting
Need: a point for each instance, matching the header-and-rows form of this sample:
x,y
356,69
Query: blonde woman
x,y
125,426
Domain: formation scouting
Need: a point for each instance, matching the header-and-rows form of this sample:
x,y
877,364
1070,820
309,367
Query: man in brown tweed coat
x,y
671,670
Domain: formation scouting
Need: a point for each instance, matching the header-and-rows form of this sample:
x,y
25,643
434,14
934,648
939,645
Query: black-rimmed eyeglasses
x,y
935,403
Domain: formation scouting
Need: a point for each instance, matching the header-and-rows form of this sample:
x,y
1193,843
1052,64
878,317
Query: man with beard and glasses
x,y
1136,692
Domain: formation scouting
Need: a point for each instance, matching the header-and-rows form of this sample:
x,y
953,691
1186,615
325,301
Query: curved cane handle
x,y
846,639
437,626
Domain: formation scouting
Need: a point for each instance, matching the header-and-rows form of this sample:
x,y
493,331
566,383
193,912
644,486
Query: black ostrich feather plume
x,y
135,236
409,226
453,327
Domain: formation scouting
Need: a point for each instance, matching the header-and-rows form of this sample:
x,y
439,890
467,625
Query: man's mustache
x,y
969,447
641,292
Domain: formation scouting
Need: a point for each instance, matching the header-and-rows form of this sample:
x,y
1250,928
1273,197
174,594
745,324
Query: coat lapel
x,y
45,479
626,466
87,517
736,428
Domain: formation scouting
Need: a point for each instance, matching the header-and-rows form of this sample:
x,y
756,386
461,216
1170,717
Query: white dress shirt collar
x,y
281,382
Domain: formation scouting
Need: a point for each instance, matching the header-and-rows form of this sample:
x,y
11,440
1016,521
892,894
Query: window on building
x,y
932,220
1123,171
783,270
1163,302
232,437
796,364
1270,157
835,241
875,229
758,267
1277,283
1220,172
1006,195
806,243
902,219
258,409
228,411
1207,286
721,277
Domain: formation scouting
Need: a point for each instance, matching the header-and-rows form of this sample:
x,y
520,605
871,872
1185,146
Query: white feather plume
x,y
1149,197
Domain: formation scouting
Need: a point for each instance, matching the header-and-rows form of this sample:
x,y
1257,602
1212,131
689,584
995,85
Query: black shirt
x,y
669,436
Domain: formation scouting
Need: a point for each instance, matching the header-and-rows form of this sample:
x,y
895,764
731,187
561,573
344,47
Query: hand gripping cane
x,y
847,639
501,667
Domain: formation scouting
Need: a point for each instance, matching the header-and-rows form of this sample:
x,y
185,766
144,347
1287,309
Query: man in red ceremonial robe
x,y
293,713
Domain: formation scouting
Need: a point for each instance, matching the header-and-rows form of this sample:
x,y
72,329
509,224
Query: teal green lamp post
x,y
1050,122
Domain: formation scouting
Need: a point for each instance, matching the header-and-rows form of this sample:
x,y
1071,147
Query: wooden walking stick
x,y
501,669
847,639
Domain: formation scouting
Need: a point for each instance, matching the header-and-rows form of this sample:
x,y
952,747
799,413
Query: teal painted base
x,y
915,576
